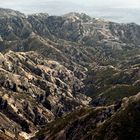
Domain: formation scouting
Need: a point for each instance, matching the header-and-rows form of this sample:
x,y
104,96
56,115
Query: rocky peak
x,y
39,15
8,13
78,16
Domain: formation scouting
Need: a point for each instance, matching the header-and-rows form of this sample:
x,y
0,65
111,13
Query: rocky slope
x,y
35,90
51,66
74,37
119,121
105,84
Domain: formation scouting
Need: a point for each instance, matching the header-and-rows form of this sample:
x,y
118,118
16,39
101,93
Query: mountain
x,y
67,76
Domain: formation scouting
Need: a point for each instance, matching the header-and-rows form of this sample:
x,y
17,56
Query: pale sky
x,y
117,10
44,5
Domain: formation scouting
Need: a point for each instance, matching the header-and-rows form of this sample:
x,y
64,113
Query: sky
x,y
116,10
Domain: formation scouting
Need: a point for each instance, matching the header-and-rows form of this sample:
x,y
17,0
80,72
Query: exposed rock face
x,y
34,90
51,66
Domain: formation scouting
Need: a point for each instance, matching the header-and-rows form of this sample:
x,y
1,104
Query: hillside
x,y
61,72
104,123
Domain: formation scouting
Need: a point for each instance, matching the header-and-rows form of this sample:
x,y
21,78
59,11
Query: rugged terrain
x,y
68,77
119,122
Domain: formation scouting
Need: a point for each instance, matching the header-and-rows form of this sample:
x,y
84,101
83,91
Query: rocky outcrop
x,y
34,90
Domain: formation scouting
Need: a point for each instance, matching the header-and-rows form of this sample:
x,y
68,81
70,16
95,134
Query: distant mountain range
x,y
68,77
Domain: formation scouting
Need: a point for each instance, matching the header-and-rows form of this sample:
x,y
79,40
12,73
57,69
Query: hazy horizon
x,y
114,10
